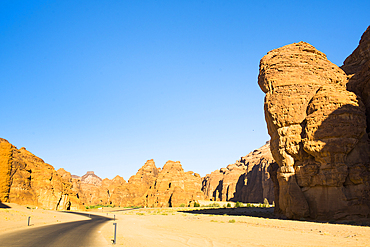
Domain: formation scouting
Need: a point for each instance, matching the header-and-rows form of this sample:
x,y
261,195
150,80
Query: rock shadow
x,y
335,179
252,187
267,213
237,196
2,205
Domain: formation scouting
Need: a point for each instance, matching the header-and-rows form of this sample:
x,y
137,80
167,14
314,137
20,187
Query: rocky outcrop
x,y
174,187
89,187
150,187
6,160
139,184
318,131
91,178
247,180
114,191
28,180
357,67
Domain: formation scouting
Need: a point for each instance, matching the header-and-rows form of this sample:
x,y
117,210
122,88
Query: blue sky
x,y
107,85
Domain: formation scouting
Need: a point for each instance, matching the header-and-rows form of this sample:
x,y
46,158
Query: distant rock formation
x,y
247,180
317,122
174,187
88,188
91,178
150,187
139,184
27,179
113,191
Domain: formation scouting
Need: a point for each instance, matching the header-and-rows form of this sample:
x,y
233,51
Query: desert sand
x,y
208,227
171,227
16,217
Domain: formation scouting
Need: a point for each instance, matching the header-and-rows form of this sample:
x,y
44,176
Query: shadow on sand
x,y
3,205
266,213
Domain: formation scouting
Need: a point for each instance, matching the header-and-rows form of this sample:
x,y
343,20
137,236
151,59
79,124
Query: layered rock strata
x,y
247,180
316,118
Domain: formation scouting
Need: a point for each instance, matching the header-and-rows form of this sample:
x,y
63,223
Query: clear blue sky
x,y
107,85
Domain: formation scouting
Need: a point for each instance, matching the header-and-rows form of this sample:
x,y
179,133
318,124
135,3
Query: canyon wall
x,y
247,180
27,179
317,115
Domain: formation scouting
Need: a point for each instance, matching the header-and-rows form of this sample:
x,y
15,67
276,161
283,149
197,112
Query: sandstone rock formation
x,y
92,190
247,180
115,191
89,188
317,122
6,154
27,179
174,187
140,183
150,187
357,67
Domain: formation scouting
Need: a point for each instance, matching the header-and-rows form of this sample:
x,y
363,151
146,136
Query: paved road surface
x,y
70,234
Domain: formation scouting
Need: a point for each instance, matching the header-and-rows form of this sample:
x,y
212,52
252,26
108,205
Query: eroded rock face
x,y
174,187
318,131
357,67
150,187
114,191
139,184
26,179
247,180
6,160
90,189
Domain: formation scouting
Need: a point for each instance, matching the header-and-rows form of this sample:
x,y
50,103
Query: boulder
x,y
317,122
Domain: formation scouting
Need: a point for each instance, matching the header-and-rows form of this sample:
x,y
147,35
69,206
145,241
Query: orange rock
x,y
32,181
174,187
318,130
6,160
247,180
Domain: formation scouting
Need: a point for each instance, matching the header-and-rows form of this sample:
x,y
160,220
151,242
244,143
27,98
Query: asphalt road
x,y
70,234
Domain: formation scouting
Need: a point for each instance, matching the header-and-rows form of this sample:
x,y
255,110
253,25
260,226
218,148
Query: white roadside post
x,y
115,233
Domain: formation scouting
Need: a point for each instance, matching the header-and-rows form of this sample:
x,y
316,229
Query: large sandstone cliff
x,y
27,179
317,121
247,180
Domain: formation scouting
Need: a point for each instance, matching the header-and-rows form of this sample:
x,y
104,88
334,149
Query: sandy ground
x,y
208,227
167,227
16,217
